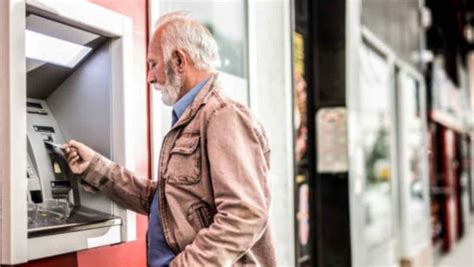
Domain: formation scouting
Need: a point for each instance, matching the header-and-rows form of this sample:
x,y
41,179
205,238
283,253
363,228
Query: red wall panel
x,y
129,254
67,260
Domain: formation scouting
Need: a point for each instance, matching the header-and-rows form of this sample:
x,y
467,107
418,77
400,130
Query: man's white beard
x,y
170,90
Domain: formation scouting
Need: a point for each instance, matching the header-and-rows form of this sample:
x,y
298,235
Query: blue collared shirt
x,y
180,107
159,254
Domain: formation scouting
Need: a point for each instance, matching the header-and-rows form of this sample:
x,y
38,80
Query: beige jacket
x,y
213,188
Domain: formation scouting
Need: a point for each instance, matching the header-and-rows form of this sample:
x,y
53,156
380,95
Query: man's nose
x,y
150,79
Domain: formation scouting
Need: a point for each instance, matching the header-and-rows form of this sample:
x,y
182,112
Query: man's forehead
x,y
153,51
153,45
155,37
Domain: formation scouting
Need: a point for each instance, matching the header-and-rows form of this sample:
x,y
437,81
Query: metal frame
x,y
408,251
158,113
356,178
15,246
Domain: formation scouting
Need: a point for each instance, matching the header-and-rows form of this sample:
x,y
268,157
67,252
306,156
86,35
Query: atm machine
x,y
66,78
54,195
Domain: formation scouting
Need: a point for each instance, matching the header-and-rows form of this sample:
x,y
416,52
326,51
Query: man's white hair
x,y
182,32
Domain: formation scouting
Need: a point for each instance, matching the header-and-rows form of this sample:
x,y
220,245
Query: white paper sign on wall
x,y
331,138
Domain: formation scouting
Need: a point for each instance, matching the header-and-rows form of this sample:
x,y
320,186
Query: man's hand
x,y
79,156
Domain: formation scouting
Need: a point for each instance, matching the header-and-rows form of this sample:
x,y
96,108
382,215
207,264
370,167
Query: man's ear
x,y
179,60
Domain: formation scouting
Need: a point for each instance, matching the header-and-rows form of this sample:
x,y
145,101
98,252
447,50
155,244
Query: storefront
x,y
361,170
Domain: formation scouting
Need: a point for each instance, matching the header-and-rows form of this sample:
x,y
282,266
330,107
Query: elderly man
x,y
211,202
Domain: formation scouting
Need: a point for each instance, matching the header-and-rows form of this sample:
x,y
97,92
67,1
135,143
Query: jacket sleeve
x,y
238,169
119,184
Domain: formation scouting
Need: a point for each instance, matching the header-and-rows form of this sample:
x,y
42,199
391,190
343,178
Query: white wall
x,y
271,98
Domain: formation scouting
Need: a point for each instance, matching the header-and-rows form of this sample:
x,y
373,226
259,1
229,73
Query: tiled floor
x,y
463,254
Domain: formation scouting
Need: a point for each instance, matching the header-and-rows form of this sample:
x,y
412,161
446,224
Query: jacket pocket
x,y
200,216
184,165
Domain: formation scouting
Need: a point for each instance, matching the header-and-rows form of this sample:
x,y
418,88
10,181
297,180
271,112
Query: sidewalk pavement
x,y
463,253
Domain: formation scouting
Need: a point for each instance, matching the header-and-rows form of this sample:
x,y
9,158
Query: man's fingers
x,y
67,148
74,146
71,155
71,150
74,143
70,145
74,161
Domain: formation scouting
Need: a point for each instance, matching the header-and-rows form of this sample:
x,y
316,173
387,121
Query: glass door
x,y
375,123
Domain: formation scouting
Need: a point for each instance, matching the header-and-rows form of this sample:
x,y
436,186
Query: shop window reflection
x,y
376,129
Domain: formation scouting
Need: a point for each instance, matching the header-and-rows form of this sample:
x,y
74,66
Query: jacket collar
x,y
201,99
